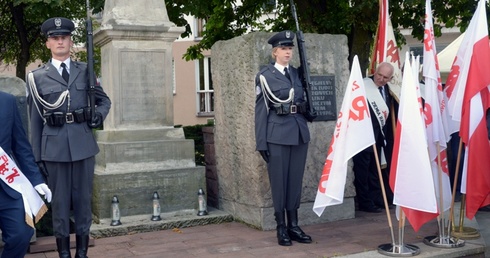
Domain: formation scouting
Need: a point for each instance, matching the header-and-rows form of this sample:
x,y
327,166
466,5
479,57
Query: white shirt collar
x,y
57,64
280,67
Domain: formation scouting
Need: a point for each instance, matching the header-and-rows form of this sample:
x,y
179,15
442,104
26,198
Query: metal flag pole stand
x,y
393,249
444,239
401,249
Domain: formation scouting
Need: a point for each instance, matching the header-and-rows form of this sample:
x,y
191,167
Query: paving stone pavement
x,y
358,237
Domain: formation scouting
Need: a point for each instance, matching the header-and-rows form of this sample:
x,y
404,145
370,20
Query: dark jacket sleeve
x,y
21,148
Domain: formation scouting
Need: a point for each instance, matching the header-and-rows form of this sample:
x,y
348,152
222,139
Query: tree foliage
x,y
357,19
20,22
21,42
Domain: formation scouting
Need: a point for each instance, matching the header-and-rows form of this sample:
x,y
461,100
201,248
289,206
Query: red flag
x,y
353,133
410,175
473,130
385,48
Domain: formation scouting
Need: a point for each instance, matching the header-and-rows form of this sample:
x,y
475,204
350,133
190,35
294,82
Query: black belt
x,y
289,108
60,118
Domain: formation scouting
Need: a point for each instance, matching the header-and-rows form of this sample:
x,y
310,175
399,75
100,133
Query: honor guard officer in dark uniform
x,y
63,142
282,135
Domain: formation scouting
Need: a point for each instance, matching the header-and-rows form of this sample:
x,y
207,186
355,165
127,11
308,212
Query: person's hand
x,y
97,122
43,189
265,155
42,169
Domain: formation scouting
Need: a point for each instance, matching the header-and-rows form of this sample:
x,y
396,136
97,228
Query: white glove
x,y
43,189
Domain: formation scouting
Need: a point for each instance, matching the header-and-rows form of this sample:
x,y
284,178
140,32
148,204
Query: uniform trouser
x,y
16,234
366,181
71,185
286,168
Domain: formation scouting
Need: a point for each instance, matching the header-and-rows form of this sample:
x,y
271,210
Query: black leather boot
x,y
282,233
63,245
82,246
294,231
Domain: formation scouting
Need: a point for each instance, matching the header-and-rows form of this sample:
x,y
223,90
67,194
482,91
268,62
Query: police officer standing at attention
x,y
282,135
61,133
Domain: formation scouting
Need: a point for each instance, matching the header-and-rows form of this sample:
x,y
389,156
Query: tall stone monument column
x,y
141,151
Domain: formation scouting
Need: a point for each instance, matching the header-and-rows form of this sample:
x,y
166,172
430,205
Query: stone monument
x,y
141,151
243,181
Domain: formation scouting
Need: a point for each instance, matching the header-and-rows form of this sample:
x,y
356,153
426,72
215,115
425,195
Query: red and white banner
x,y
410,175
353,133
436,116
467,87
385,49
11,175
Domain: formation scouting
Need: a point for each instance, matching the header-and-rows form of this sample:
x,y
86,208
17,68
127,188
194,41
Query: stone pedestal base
x,y
133,164
177,189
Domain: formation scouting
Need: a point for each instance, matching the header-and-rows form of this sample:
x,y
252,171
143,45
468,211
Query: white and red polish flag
x,y
470,78
353,133
410,175
435,111
385,49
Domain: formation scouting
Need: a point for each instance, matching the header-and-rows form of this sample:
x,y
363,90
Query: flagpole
x,y
461,232
383,191
444,239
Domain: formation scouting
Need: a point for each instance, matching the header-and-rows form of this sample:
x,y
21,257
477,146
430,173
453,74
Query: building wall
x,y
185,96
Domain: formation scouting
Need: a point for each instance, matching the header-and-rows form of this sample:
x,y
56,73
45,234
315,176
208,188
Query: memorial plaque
x,y
323,97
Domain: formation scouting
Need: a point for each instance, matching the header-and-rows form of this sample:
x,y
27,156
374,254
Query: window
x,y
269,6
199,27
205,90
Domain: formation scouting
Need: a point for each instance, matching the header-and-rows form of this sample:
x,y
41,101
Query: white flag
x,y
353,133
436,116
410,175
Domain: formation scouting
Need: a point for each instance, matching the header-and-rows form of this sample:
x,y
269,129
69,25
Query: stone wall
x,y
243,181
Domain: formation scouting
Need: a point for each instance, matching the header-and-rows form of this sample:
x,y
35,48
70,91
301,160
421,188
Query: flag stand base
x,y
444,242
398,250
465,233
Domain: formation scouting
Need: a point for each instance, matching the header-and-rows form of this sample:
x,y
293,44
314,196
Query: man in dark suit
x,y
367,183
16,233
62,138
282,135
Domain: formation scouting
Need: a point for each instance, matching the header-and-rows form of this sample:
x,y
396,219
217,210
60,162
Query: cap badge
x,y
288,34
57,22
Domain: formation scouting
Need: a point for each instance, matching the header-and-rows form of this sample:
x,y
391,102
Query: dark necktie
x,y
382,93
64,72
286,73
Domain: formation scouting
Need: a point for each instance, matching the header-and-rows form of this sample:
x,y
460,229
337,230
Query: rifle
x,y
90,67
311,113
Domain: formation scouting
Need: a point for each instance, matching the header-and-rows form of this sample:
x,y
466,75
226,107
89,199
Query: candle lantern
x,y
201,199
116,215
156,207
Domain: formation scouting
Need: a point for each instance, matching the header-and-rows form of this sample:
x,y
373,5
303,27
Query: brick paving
x,y
233,239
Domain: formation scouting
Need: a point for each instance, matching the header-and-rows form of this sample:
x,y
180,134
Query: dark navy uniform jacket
x,y
14,142
70,142
289,129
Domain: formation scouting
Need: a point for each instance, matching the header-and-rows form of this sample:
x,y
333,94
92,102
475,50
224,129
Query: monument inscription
x,y
141,85
323,97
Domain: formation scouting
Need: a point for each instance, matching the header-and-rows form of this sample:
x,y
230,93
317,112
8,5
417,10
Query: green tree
x,y
20,21
357,19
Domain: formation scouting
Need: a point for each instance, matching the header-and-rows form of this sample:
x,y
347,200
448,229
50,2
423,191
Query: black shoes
x,y
282,236
296,234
